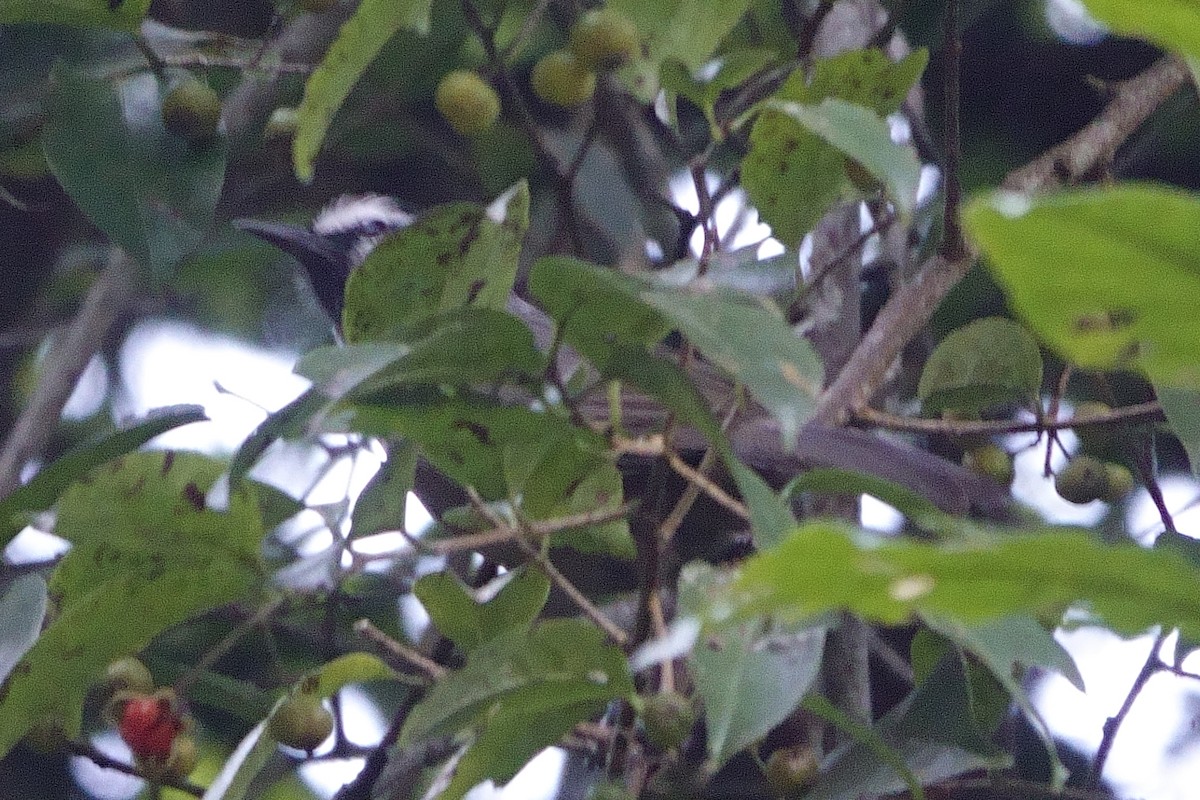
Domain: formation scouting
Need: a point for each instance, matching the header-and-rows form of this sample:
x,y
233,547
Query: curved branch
x,y
106,300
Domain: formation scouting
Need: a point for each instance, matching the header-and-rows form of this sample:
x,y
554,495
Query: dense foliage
x,y
641,427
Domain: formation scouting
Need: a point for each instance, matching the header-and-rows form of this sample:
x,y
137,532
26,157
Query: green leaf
x,y
1182,408
126,15
477,442
929,737
469,623
146,189
793,175
384,500
687,31
869,739
147,553
824,566
753,345
751,680
253,753
512,737
600,309
147,513
1007,646
704,87
44,488
865,137
1066,262
326,680
455,255
826,480
560,664
986,362
1172,24
600,490
288,421
358,43
22,609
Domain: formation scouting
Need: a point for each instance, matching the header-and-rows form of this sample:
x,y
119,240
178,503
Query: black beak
x,y
326,264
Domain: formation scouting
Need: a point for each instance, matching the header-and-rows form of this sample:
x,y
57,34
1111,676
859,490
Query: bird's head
x,y
339,238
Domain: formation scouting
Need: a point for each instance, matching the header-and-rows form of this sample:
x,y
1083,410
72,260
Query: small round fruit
x,y
668,718
184,756
301,722
1120,482
991,461
192,111
603,40
1083,480
559,79
791,770
128,675
467,101
149,724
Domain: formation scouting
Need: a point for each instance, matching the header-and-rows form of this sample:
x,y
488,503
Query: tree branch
x,y
1078,158
107,298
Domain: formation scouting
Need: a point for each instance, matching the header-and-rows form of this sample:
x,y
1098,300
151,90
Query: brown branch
x,y
106,300
1113,724
104,761
1078,158
953,245
409,655
901,318
870,417
909,309
538,529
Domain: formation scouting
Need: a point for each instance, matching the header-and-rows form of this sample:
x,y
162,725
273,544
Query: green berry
x,y
301,722
791,770
559,79
127,675
667,718
991,461
192,111
467,101
1120,483
603,40
1083,480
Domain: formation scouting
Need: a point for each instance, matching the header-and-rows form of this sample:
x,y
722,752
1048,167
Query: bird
x,y
348,229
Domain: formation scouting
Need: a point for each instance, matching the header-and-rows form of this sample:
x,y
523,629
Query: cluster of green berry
x,y
601,41
1085,477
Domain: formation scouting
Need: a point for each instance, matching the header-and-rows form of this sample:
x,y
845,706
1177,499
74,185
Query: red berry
x,y
149,723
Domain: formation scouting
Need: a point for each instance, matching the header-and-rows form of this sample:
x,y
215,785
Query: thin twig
x,y
538,529
106,300
1093,148
954,246
1113,724
870,417
585,605
430,668
909,309
1052,414
214,653
87,750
